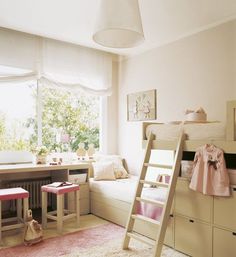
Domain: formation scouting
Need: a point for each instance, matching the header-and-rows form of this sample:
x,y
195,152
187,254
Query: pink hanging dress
x,y
210,175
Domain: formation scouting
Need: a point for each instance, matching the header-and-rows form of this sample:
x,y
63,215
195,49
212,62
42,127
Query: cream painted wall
x,y
234,42
189,73
109,117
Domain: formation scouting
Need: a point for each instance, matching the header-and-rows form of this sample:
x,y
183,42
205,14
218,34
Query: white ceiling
x,y
164,21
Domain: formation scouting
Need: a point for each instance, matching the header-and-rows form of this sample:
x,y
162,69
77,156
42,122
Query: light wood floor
x,y
15,237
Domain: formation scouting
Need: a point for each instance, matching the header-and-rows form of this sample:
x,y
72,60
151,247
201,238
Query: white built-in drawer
x,y
193,238
191,203
224,243
225,211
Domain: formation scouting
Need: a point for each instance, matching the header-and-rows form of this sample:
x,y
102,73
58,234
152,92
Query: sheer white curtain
x,y
55,63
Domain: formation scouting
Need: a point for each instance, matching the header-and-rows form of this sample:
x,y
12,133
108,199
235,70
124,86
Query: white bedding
x,y
196,131
124,189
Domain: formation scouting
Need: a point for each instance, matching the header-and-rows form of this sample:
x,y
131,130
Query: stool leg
x,y
77,207
19,209
60,212
1,223
26,208
44,209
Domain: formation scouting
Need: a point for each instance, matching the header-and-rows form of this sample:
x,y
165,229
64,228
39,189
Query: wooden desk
x,y
19,168
21,173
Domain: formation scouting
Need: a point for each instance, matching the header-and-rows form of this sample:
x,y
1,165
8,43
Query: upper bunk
x,y
197,134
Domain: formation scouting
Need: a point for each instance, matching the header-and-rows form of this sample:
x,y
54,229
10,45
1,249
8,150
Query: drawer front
x,y
191,203
225,211
224,243
149,230
192,237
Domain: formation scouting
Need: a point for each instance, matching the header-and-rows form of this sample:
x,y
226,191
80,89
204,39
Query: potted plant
x,y
41,154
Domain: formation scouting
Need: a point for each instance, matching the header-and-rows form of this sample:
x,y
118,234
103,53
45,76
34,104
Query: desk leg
x,y
19,209
60,212
44,209
77,207
26,208
1,223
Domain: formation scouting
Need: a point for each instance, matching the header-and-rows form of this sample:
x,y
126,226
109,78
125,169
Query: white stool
x,y
59,214
18,194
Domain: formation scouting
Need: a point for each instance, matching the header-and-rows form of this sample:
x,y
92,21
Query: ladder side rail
x,y
170,195
138,191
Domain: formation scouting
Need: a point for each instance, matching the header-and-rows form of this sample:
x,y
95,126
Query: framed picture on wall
x,y
141,106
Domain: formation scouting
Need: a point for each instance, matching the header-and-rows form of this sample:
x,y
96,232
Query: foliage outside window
x,y
17,107
67,119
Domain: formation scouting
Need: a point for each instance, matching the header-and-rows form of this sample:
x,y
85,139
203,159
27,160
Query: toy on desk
x,y
81,152
91,151
56,161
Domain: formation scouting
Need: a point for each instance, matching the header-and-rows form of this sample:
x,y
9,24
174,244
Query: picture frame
x,y
141,106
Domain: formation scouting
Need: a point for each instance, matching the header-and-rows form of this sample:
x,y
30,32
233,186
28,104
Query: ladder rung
x,y
154,183
145,200
144,218
141,238
162,166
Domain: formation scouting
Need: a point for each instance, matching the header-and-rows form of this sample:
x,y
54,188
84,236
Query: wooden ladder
x,y
129,233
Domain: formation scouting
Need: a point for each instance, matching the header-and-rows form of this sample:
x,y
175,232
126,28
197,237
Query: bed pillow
x,y
119,170
103,171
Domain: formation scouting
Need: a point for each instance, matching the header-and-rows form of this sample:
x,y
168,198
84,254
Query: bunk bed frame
x,y
228,145
117,211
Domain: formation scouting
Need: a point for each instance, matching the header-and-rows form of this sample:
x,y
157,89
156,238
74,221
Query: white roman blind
x,y
18,49
56,63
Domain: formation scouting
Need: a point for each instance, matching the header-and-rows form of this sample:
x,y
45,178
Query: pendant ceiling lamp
x,y
119,24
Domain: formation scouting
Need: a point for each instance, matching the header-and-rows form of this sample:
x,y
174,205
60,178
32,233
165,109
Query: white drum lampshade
x,y
119,24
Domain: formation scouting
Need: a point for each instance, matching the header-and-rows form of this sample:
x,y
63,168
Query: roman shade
x,y
55,63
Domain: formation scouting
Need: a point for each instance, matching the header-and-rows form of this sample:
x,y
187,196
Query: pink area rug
x,y
102,241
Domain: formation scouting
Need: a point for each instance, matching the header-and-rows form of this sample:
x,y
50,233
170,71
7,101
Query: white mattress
x,y
196,131
124,189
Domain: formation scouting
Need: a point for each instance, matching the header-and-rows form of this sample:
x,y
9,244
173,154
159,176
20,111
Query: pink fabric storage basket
x,y
232,176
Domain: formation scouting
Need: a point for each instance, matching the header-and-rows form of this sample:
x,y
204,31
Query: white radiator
x,y
34,189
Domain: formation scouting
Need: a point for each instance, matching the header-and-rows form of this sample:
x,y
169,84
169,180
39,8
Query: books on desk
x,y
60,184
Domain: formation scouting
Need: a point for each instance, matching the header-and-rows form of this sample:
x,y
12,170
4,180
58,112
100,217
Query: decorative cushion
x,y
119,170
103,171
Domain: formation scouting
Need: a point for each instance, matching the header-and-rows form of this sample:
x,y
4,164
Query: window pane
x,y
17,116
69,119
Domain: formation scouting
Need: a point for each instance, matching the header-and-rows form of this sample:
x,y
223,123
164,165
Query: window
x,y
61,121
17,110
68,119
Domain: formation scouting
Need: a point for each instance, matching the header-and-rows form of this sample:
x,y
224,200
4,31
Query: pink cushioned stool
x,y
18,194
60,214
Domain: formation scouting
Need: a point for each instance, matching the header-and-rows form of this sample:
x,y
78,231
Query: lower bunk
x,y
199,223
111,200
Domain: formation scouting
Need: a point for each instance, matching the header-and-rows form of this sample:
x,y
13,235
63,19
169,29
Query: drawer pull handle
x,y
234,189
171,215
234,233
191,221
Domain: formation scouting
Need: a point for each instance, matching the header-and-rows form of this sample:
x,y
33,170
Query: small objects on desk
x,y
41,159
56,161
90,151
81,152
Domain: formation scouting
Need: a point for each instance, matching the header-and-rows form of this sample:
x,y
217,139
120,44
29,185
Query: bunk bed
x,y
198,223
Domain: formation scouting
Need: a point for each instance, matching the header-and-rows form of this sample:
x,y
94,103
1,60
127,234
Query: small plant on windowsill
x,y
41,154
